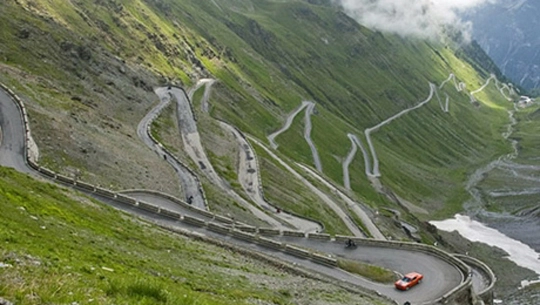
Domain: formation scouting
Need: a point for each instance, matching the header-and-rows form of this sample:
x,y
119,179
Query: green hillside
x,y
59,247
92,64
86,70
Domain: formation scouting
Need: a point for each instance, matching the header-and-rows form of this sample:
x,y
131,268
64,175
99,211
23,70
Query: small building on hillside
x,y
525,101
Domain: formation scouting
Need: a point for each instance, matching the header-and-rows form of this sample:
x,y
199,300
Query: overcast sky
x,y
420,18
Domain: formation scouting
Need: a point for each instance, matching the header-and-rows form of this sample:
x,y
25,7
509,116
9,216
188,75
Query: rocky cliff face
x,y
508,31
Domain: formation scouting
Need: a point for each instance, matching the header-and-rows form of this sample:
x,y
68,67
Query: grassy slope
x,y
526,133
61,247
80,97
87,68
370,77
268,56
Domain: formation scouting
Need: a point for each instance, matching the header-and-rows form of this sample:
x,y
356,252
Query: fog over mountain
x,y
419,18
508,32
506,29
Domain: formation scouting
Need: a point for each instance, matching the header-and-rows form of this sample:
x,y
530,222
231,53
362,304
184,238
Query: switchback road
x,y
441,276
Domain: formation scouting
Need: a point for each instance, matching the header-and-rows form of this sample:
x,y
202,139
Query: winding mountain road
x,y
336,208
310,106
441,276
355,144
353,206
248,168
287,125
374,171
248,176
188,180
12,147
307,137
318,165
195,150
458,86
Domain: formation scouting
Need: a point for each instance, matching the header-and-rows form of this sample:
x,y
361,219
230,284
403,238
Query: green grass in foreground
x,y
60,248
375,273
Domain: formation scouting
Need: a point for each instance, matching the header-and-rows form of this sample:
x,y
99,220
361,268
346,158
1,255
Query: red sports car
x,y
408,281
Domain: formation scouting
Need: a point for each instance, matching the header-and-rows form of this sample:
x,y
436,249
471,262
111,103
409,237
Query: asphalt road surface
x,y
440,276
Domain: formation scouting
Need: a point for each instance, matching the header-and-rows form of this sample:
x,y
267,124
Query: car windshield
x,y
405,279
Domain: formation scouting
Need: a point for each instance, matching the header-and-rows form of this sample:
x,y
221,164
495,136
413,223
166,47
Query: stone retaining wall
x,y
324,260
319,236
269,232
243,235
270,243
487,294
298,252
125,199
170,214
193,221
293,233
218,228
148,207
85,186
459,295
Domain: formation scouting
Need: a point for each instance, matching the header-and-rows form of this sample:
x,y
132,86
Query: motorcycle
x,y
350,244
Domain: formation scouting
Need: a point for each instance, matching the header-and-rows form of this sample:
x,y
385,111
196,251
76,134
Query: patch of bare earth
x,y
90,132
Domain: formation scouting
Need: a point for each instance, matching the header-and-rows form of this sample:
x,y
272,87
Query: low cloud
x,y
418,18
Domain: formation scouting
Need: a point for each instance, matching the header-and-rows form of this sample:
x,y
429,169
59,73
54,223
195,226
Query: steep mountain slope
x,y
507,30
87,70
61,247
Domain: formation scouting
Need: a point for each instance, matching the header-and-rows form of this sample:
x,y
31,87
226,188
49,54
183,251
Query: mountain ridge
x,y
90,82
511,41
382,87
